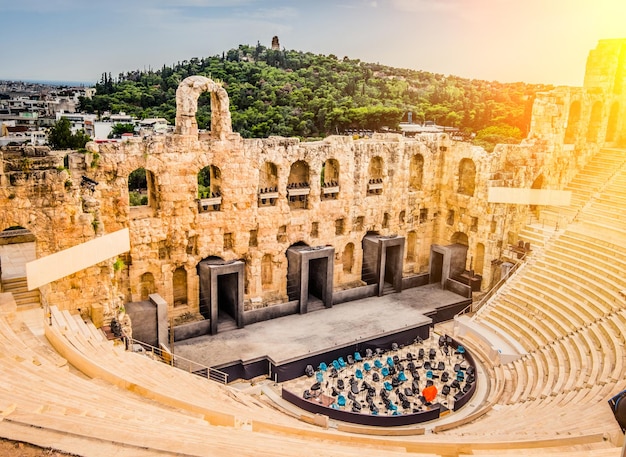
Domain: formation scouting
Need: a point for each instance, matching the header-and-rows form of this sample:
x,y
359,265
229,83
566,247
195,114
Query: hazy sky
x,y
506,40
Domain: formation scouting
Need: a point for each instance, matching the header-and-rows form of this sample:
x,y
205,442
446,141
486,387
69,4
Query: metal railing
x,y
164,355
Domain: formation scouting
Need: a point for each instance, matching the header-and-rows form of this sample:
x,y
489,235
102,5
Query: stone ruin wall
x,y
171,233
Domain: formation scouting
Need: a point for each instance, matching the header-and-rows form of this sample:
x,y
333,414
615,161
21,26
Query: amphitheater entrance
x,y
446,262
310,276
221,293
382,262
17,248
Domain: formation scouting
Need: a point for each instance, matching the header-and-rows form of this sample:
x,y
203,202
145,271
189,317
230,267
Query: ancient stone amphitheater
x,y
560,306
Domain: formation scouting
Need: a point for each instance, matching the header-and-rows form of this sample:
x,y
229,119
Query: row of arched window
x,y
594,125
142,192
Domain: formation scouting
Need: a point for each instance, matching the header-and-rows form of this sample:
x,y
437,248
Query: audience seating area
x,y
565,306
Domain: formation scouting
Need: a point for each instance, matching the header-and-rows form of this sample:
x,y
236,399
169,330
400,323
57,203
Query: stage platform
x,y
300,336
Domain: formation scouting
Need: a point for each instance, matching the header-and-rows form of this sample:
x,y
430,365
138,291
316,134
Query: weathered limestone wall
x,y
429,189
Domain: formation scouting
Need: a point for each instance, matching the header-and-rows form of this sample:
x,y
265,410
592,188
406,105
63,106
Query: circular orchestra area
x,y
388,386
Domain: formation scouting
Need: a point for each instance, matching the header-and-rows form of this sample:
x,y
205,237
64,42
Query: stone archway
x,y
187,105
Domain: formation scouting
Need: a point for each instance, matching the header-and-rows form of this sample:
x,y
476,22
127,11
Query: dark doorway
x,y
221,293
310,276
436,266
382,262
447,262
227,300
318,272
393,257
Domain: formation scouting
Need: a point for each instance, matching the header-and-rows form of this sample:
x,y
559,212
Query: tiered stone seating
x,y
37,392
567,308
588,181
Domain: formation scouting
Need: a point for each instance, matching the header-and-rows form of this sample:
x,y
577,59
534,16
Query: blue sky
x,y
506,40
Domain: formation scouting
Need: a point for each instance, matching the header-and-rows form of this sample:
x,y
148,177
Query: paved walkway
x,y
299,334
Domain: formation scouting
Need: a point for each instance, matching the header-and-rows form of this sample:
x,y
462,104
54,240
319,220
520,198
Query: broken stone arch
x,y
187,94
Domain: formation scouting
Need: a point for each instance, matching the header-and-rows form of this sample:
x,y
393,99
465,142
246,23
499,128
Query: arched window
x,y
416,172
298,185
267,275
467,177
347,258
268,184
573,123
375,175
209,189
459,238
141,188
595,122
411,241
329,179
611,127
179,283
146,285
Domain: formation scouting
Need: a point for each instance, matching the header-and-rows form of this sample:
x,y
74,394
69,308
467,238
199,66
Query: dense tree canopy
x,y
292,93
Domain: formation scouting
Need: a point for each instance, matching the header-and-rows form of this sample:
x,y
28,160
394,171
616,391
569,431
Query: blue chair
x,y
384,371
402,377
357,357
342,362
334,406
378,364
389,361
367,366
460,376
341,400
393,407
429,374
319,377
336,365
323,366
359,374
460,349
388,386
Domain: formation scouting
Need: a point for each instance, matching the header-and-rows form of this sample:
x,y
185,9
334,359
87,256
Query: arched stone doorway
x,y
459,238
179,286
146,285
573,123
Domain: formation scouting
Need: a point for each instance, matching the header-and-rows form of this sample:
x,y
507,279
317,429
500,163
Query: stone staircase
x,y
24,298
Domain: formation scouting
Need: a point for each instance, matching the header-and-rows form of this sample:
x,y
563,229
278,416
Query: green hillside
x,y
294,93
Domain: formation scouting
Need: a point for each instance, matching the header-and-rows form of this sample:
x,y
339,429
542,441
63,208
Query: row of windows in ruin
x,y
141,183
595,123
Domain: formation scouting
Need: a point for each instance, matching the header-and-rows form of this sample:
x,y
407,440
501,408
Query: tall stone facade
x,y
266,195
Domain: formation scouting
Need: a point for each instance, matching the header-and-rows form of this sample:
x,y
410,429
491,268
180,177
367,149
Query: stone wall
x,y
269,194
